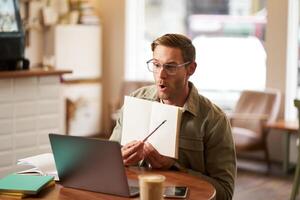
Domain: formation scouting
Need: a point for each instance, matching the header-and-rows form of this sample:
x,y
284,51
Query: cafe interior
x,y
75,60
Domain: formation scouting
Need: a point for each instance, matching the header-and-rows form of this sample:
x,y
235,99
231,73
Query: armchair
x,y
253,110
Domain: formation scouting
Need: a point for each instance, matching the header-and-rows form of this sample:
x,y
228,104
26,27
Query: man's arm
x,y
117,132
155,159
223,190
220,157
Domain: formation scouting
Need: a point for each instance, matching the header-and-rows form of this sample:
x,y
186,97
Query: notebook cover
x,y
27,184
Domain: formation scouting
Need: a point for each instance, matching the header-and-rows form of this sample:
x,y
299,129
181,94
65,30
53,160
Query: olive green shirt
x,y
206,145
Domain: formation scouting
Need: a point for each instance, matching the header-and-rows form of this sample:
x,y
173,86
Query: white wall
x,y
30,109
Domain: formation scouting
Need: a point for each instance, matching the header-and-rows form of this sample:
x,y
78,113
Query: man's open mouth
x,y
162,86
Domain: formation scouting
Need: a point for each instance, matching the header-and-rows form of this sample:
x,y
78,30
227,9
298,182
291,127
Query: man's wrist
x,y
176,166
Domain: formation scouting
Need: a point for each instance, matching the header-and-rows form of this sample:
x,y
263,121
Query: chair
x,y
297,173
253,110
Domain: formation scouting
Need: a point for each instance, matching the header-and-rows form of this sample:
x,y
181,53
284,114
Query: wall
x,y
112,14
30,109
282,50
41,46
276,44
276,61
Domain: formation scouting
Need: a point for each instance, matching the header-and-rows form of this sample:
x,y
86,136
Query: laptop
x,y
91,164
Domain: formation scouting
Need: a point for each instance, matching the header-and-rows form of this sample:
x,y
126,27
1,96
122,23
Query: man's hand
x,y
132,152
156,160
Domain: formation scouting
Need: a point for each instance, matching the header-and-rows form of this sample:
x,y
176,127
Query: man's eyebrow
x,y
171,62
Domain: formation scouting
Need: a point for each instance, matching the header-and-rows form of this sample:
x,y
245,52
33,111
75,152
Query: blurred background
x,y
241,45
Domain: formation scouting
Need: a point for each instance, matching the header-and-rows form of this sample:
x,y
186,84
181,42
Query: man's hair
x,y
177,41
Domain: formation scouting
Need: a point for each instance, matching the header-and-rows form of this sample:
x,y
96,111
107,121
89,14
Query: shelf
x,y
82,81
32,72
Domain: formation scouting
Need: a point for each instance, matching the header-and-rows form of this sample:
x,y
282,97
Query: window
x,y
228,36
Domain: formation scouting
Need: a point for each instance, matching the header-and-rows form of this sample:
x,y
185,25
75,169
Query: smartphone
x,y
175,192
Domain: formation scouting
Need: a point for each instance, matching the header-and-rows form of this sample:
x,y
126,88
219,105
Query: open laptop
x,y
91,164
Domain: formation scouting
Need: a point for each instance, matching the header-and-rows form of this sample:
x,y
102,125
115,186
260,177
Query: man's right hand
x,y
132,152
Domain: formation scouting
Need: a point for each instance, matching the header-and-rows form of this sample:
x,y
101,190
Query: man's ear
x,y
192,68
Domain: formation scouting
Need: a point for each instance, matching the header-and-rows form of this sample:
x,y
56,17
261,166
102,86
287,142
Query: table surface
x,y
291,126
198,188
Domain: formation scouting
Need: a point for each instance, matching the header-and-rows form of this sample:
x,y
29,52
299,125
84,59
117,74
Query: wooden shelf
x,y
32,72
82,81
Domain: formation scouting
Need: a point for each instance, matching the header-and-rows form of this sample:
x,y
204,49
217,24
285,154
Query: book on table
x,y
43,164
20,186
141,117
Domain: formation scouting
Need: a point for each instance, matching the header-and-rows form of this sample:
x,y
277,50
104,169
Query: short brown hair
x,y
177,41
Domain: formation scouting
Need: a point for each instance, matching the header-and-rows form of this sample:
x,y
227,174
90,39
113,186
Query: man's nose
x,y
162,73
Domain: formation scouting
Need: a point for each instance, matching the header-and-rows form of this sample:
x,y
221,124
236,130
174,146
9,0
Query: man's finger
x,y
130,149
149,149
152,156
132,159
130,144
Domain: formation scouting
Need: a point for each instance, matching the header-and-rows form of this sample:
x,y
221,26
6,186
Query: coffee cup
x,y
151,186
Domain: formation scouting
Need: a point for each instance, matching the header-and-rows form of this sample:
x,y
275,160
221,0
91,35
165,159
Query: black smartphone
x,y
175,192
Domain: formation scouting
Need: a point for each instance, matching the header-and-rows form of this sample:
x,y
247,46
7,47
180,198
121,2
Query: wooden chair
x,y
253,110
297,173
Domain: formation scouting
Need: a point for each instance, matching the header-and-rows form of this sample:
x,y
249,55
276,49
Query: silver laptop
x,y
91,164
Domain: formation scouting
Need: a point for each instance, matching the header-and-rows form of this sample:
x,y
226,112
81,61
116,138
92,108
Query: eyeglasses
x,y
171,69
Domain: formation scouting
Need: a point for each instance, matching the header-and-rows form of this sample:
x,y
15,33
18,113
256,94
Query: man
x,y
206,146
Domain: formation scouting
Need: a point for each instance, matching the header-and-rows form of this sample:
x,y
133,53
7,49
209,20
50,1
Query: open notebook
x,y
43,164
141,117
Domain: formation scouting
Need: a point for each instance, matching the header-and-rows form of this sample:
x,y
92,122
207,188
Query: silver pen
x,y
145,139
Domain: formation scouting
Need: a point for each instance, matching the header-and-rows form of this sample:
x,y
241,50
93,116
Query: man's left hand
x,y
155,159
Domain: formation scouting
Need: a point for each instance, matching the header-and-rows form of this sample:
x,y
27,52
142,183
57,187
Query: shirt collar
x,y
151,94
191,103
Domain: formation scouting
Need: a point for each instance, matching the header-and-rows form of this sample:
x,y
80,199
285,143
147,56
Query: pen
x,y
144,140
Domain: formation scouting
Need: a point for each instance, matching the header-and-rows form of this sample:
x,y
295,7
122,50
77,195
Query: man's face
x,y
170,87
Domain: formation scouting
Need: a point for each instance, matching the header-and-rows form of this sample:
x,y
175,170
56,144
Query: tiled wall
x,y
30,108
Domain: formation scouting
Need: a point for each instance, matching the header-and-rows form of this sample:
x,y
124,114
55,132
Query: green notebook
x,y
27,184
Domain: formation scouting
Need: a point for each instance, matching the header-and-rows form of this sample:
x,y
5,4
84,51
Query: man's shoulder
x,y
210,108
146,92
212,115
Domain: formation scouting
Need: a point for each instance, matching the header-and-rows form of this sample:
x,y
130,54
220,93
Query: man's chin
x,y
163,96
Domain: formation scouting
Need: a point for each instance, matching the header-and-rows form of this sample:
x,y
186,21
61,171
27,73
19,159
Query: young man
x,y
206,145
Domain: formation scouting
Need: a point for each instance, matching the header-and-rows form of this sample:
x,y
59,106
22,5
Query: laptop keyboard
x,y
133,190
133,187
